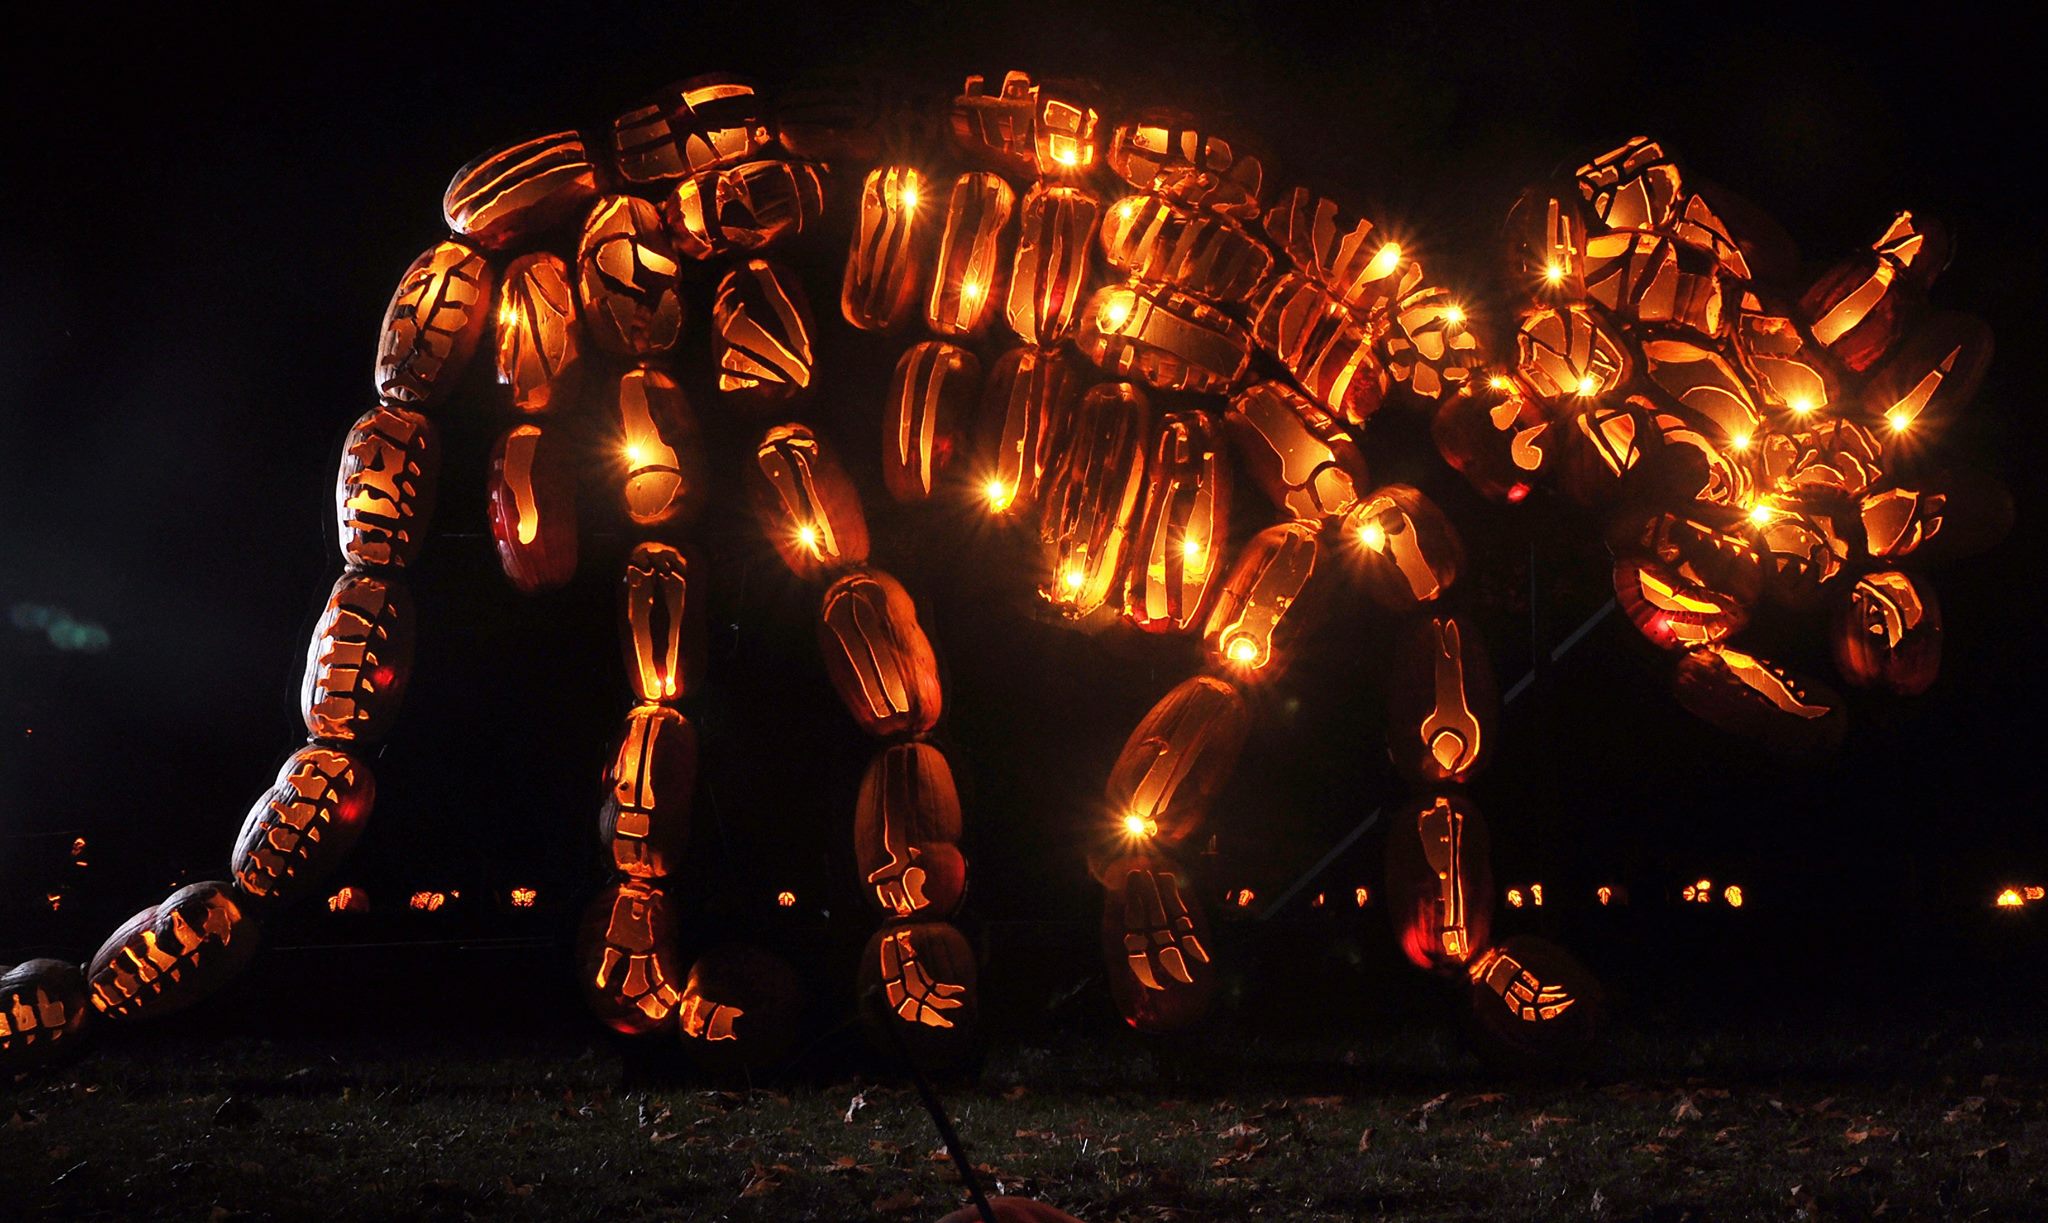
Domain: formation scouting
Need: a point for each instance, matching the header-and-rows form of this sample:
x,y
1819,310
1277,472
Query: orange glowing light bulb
x,y
1553,272
1138,826
997,494
1588,384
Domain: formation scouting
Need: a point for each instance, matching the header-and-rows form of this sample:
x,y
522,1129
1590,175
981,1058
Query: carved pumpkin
x,y
1156,945
1026,416
359,660
1440,882
924,420
761,334
918,981
510,195
533,507
1168,340
1259,610
1091,506
1532,1006
1757,699
743,209
1176,760
1302,458
886,262
877,655
708,121
660,630
656,434
806,505
1443,709
626,274
629,973
384,494
971,273
741,1010
540,336
1411,553
1176,554
42,1005
906,832
1888,633
644,823
173,953
1049,274
304,825
433,323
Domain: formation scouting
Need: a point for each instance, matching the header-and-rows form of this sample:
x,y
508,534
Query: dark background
x,y
203,218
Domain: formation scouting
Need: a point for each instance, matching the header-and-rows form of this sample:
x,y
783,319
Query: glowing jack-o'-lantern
x,y
1326,348
533,507
918,984
740,1010
433,323
1176,760
1026,418
1751,697
1206,255
1170,341
1176,555
1532,1005
644,823
1410,552
761,333
1859,306
359,660
930,397
384,494
657,442
970,274
1888,633
1156,945
1049,271
173,953
658,630
1025,128
509,195
630,976
540,337
906,833
626,274
1672,611
1166,151
1256,613
42,1005
886,262
1303,459
1359,266
1091,507
877,655
713,120
304,825
1442,705
1440,882
742,209
1497,437
807,506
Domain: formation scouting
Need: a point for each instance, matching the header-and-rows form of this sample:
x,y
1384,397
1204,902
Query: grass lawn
x,y
1906,1121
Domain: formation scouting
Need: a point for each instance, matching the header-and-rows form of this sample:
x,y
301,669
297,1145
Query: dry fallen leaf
x,y
1687,1109
897,1203
1420,1117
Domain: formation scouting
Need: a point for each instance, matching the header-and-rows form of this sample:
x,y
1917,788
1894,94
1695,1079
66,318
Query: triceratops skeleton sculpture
x,y
1745,444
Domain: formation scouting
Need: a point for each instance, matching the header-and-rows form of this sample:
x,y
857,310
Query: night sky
x,y
203,220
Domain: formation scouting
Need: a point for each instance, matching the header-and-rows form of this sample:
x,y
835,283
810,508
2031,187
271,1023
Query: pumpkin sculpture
x,y
1155,302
